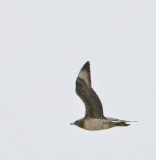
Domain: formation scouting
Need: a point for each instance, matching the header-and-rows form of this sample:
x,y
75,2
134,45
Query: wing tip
x,y
86,65
85,73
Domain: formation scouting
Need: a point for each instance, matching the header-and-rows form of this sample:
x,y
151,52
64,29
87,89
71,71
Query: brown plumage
x,y
94,118
87,94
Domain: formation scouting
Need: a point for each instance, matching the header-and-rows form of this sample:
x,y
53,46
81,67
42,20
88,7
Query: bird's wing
x,y
85,73
87,94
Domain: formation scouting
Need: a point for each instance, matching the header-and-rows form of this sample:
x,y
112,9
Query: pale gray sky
x,y
43,45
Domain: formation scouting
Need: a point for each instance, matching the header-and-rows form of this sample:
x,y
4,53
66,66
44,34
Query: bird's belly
x,y
96,124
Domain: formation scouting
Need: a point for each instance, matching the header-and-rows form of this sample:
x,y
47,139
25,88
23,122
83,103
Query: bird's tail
x,y
121,123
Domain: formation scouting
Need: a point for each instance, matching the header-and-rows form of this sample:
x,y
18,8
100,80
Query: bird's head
x,y
78,123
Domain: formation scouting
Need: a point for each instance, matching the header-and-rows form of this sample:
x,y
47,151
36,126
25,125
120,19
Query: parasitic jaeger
x,y
94,118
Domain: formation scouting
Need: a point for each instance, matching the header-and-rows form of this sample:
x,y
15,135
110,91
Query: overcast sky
x,y
43,45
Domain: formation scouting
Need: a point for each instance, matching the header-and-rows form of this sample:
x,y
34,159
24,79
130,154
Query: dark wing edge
x,y
85,73
89,97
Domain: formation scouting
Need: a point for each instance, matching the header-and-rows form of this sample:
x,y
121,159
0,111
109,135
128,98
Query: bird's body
x,y
95,124
94,118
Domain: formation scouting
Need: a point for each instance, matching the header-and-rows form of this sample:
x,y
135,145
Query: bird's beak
x,y
71,123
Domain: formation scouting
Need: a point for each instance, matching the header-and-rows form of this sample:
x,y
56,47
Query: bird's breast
x,y
96,124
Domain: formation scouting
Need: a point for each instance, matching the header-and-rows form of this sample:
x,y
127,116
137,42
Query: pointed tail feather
x,y
115,119
121,124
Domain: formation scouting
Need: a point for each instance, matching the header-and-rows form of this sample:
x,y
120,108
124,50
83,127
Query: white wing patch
x,y
85,76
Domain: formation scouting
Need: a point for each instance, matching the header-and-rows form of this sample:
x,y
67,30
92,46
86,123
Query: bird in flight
x,y
94,118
